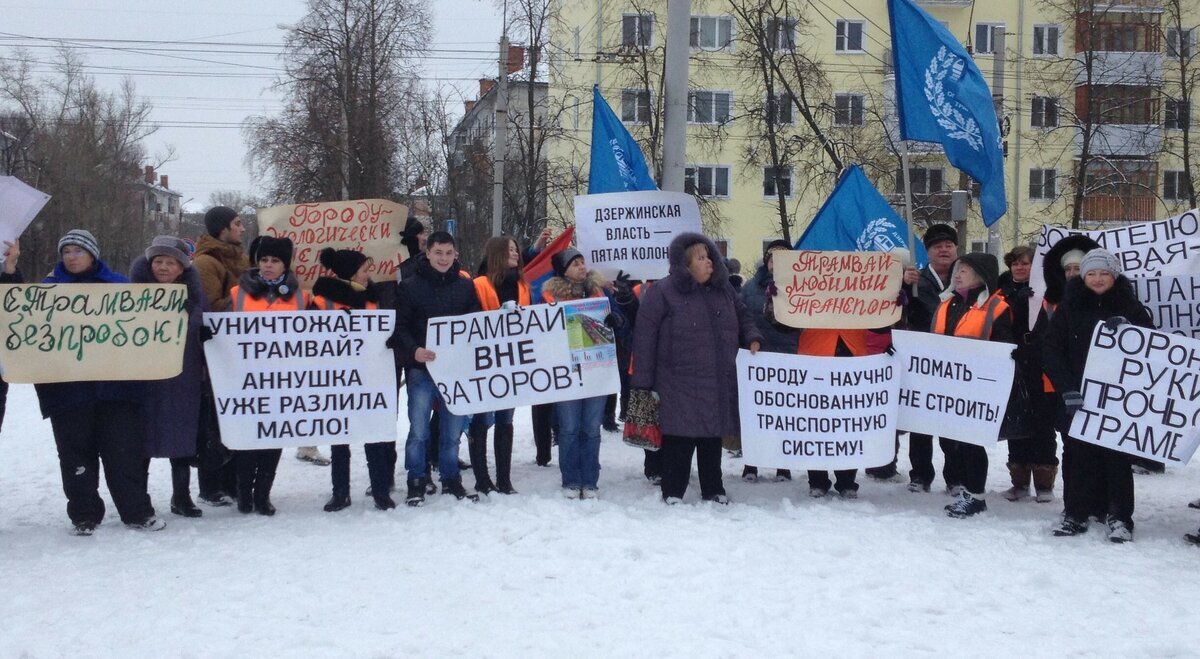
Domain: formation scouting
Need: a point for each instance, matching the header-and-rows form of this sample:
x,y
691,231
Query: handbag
x,y
641,421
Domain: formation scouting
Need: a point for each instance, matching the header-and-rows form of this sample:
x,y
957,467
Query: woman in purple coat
x,y
690,326
172,407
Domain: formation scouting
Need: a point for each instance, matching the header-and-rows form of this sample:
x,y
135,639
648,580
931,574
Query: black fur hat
x,y
280,248
343,262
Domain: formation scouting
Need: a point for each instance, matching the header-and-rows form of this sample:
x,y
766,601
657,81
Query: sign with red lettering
x,y
370,226
836,290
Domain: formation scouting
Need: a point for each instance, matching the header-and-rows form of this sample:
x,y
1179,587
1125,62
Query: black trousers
x,y
1041,448
256,470
542,417
652,465
920,458
677,465
966,464
108,433
1101,482
845,480
379,467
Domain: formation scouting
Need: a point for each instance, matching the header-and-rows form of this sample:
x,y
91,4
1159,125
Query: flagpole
x,y
908,214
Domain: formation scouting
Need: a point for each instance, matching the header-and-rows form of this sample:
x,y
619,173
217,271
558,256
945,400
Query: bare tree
x,y
81,145
349,69
1179,90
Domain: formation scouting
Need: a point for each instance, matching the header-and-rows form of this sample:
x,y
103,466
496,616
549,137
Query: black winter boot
x,y
262,485
416,492
337,502
245,483
504,446
454,486
477,449
181,496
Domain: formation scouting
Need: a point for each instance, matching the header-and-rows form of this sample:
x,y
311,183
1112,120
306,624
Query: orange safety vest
x,y
490,301
640,288
325,304
243,302
1049,308
978,320
818,342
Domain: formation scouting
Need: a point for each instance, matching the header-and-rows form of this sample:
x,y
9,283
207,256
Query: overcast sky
x,y
202,97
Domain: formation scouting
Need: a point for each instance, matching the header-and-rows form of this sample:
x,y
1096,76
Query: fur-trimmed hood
x,y
141,273
561,289
342,292
677,255
1052,270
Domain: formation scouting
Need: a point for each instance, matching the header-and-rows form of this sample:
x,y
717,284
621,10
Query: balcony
x,y
1129,69
1123,140
1112,210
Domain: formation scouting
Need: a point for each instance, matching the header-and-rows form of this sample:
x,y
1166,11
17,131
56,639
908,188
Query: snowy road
x,y
774,574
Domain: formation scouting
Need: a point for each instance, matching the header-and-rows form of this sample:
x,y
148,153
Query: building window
x,y
849,36
709,107
1121,178
985,37
722,246
779,109
1178,115
707,180
1045,39
785,181
1041,183
1180,42
1117,104
636,30
924,180
635,106
1043,112
781,33
712,32
1176,186
848,110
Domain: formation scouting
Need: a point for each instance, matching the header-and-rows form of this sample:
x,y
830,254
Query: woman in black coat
x,y
172,407
1097,474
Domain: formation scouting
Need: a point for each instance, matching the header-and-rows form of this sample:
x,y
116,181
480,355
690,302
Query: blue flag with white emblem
x,y
856,218
942,97
617,164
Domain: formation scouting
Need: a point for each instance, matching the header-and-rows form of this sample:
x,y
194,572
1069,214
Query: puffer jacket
x,y
1068,337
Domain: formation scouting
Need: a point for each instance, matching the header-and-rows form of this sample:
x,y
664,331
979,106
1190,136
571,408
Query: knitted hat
x,y
938,233
778,243
1099,259
218,218
562,260
168,246
408,237
280,248
343,262
1073,257
81,238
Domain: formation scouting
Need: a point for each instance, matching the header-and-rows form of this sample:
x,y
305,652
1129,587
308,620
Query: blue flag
x,y
856,218
942,97
617,163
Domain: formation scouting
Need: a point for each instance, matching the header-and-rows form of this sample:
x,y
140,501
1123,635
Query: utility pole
x,y
679,15
500,144
998,61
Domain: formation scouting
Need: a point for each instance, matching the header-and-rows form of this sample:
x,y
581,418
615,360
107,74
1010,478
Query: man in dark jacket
x,y
436,289
941,243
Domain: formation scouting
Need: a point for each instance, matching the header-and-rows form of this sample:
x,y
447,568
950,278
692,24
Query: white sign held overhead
x,y
631,231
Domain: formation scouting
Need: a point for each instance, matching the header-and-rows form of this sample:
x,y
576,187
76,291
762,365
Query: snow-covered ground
x,y
774,574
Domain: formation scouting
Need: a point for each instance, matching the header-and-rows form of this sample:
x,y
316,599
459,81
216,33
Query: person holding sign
x,y
501,283
436,289
350,288
690,326
1097,474
269,287
975,310
97,423
579,420
172,407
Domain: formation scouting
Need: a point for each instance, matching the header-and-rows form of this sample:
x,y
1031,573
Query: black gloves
x,y
614,321
206,333
1072,403
1116,321
1023,293
622,288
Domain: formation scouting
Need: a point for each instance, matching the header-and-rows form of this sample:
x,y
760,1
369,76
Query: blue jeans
x,y
422,394
489,419
579,441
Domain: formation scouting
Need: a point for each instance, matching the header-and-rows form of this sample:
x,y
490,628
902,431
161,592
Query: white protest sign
x,y
1162,247
952,386
300,378
837,290
1173,302
631,231
19,204
1141,394
800,412
89,332
544,353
